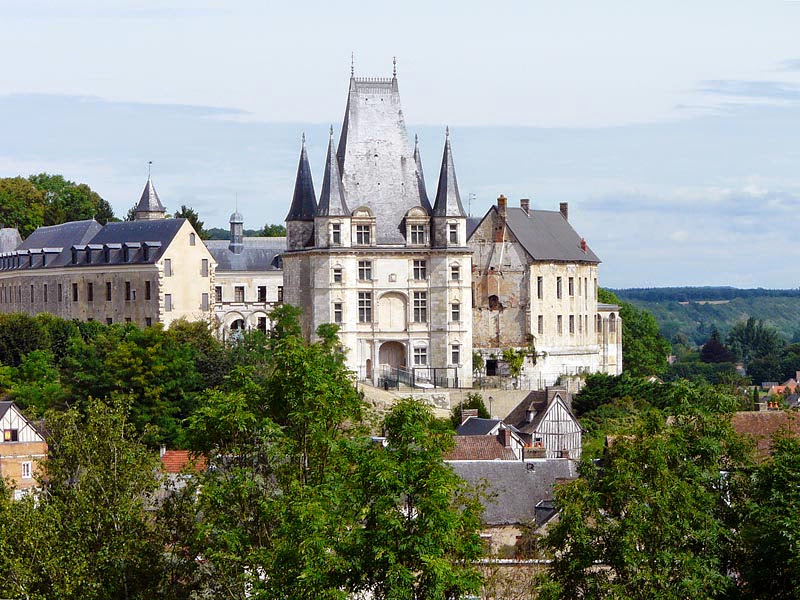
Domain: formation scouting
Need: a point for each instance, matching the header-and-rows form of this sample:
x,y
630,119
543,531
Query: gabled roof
x,y
304,200
175,461
4,406
762,425
448,200
258,254
331,198
477,426
479,447
64,235
149,201
537,402
514,487
9,239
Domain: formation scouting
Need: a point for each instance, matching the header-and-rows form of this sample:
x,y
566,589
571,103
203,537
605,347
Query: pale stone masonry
x,y
373,256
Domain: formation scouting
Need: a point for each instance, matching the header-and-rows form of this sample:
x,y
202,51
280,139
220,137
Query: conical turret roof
x,y
423,193
331,200
304,201
149,206
448,200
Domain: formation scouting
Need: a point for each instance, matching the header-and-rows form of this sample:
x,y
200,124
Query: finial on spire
x,y
149,162
304,138
352,64
416,140
447,131
331,131
394,66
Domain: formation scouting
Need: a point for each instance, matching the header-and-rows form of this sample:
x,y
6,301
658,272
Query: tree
x,y
477,362
752,339
515,360
658,515
22,205
714,351
644,349
274,230
475,402
188,213
69,201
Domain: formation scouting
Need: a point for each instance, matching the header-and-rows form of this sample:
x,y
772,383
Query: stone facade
x,y
535,285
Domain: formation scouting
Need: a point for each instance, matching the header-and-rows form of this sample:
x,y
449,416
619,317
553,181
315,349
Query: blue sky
x,y
672,129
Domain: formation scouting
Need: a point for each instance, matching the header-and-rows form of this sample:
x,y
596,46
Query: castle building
x,y
535,288
146,271
373,256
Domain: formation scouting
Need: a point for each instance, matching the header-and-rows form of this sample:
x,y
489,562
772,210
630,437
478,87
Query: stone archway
x,y
393,354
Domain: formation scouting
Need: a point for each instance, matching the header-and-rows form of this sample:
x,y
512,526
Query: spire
x,y
304,204
423,193
448,200
352,64
149,207
394,67
331,198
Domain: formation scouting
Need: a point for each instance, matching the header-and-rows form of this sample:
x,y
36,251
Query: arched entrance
x,y
392,354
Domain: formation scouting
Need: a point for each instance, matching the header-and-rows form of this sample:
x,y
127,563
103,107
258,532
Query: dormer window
x,y
417,234
363,235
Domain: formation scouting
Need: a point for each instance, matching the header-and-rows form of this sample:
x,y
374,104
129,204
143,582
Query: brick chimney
x,y
502,202
499,230
583,244
564,208
504,435
525,204
466,413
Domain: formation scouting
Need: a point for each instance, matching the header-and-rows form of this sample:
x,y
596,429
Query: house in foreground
x,y
21,447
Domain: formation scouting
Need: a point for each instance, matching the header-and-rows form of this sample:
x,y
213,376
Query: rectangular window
x,y
540,324
204,268
127,319
280,294
453,233
109,320
455,273
238,294
74,292
32,293
218,294
90,292
26,471
579,286
420,356
44,292
364,307
10,435
337,274
558,287
60,293
262,324
167,267
262,293
204,301
147,290
420,307
418,234
363,235
572,323
337,312
420,269
559,324
365,270
571,286
336,234
108,291
127,291
595,289
455,354
148,322
167,302
539,287
455,312
580,321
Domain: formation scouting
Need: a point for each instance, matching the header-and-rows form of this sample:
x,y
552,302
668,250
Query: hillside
x,y
692,311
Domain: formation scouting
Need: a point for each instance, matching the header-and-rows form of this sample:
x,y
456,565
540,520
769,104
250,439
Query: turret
x,y
237,233
149,207
449,218
300,220
332,221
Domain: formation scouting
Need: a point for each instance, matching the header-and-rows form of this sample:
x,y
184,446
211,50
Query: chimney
x,y
466,413
504,435
583,245
525,204
564,208
501,205
163,451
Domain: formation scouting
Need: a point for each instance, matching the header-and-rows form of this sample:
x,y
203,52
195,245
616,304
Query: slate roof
x,y
4,406
304,200
477,426
472,225
537,400
448,200
65,235
515,487
149,201
423,193
331,197
762,425
479,447
258,254
9,239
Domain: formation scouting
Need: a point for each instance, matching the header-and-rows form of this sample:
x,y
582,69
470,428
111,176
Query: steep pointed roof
x,y
448,200
423,193
304,201
149,202
331,198
377,166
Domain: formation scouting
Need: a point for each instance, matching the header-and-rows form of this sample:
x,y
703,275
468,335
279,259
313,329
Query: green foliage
x,y
188,213
515,359
69,201
274,230
477,362
473,401
714,351
20,334
752,339
22,205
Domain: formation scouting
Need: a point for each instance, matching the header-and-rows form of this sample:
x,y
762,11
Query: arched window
x,y
192,239
599,324
612,323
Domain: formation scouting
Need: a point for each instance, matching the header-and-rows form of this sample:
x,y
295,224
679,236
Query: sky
x,y
671,128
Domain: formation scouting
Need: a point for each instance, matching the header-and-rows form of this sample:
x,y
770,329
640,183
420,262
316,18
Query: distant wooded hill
x,y
693,311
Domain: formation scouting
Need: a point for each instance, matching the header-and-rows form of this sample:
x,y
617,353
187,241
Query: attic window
x,y
10,435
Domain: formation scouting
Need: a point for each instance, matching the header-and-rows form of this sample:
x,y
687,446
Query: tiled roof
x,y
174,461
762,425
479,447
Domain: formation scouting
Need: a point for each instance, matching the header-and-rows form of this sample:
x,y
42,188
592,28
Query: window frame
x,y
420,305
365,270
365,307
419,269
